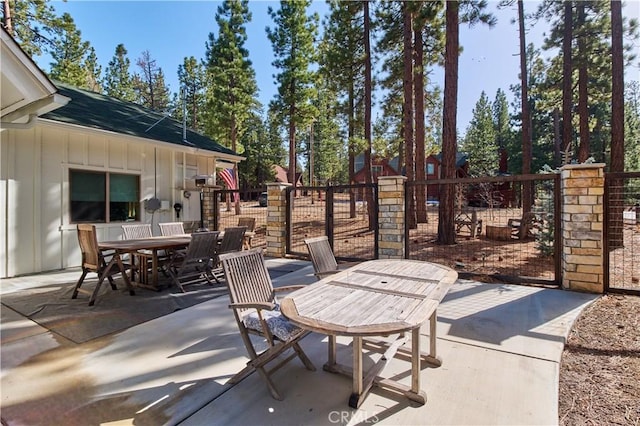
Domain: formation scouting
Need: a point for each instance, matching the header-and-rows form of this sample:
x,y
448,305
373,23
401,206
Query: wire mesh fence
x,y
252,204
496,239
346,214
622,232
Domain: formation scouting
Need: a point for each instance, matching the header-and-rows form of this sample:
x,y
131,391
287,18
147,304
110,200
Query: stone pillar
x,y
582,187
391,217
276,219
207,207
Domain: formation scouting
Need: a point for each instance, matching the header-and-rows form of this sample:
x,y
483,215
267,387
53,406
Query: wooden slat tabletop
x,y
371,298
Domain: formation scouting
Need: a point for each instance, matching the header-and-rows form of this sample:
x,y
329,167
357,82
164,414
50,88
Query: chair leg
x,y
80,281
272,389
94,295
303,357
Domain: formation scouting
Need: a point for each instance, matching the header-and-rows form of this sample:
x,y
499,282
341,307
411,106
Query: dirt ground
x,y
600,369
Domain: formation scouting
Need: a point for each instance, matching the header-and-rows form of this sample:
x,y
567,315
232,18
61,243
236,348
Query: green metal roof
x,y
97,111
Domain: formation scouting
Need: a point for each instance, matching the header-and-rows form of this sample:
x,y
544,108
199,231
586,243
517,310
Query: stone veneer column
x,y
276,219
391,217
582,187
207,206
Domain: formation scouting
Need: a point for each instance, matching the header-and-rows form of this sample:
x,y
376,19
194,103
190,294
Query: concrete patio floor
x,y
500,344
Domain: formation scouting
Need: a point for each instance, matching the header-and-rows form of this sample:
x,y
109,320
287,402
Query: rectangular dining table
x,y
375,298
153,245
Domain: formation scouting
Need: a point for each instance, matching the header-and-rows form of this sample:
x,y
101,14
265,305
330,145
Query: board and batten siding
x,y
36,234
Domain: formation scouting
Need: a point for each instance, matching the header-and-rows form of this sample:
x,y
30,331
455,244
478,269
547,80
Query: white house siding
x,y
36,235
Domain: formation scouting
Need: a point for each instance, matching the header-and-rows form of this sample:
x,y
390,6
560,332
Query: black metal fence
x,y
622,233
496,240
347,214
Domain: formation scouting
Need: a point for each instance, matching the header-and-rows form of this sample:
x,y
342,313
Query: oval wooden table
x,y
375,298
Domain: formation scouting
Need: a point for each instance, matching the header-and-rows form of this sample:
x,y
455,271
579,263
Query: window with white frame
x,y
431,169
103,197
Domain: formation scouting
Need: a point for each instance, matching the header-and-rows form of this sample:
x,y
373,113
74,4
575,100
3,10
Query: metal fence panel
x,y
622,233
494,240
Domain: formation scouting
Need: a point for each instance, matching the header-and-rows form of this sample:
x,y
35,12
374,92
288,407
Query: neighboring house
x,y
95,159
379,167
282,175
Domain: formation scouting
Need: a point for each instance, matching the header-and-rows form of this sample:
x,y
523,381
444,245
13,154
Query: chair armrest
x,y
289,288
254,305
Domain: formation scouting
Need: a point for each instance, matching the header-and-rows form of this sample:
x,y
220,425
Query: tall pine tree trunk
x,y
527,196
367,112
446,230
407,120
567,128
418,84
583,79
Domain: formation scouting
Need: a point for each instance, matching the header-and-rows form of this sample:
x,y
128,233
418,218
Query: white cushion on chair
x,y
278,325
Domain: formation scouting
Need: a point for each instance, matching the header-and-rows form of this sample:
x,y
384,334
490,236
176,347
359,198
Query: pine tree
x,y
32,23
93,71
480,140
68,54
118,82
232,85
292,39
192,77
232,88
149,86
343,63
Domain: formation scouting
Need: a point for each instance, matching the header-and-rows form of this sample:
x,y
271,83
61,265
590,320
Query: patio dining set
x,y
141,257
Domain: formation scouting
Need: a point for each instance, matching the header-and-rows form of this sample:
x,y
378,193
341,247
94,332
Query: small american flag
x,y
228,176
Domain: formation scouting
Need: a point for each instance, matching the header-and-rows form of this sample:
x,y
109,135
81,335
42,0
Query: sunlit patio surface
x,y
500,345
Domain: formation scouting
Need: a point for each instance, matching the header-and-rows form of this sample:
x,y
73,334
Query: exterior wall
x,y
35,232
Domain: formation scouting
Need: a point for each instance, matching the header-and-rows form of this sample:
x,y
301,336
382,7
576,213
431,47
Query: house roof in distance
x,y
98,111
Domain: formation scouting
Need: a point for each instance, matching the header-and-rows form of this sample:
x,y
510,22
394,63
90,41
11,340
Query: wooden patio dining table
x,y
375,298
153,245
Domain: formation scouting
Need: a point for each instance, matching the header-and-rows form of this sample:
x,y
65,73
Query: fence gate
x,y
622,233
346,214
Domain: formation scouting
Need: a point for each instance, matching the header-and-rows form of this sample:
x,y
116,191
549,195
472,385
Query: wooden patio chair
x,y
194,265
232,241
322,257
256,310
467,221
105,264
171,228
144,258
250,223
141,230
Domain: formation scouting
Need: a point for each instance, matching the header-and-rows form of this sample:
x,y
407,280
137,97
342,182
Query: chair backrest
x,y
202,246
88,240
137,231
232,239
321,254
247,278
171,228
249,222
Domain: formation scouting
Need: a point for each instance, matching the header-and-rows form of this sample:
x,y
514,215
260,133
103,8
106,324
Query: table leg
x,y
432,358
355,400
154,269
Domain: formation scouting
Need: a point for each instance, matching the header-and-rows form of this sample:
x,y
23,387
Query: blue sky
x,y
173,30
